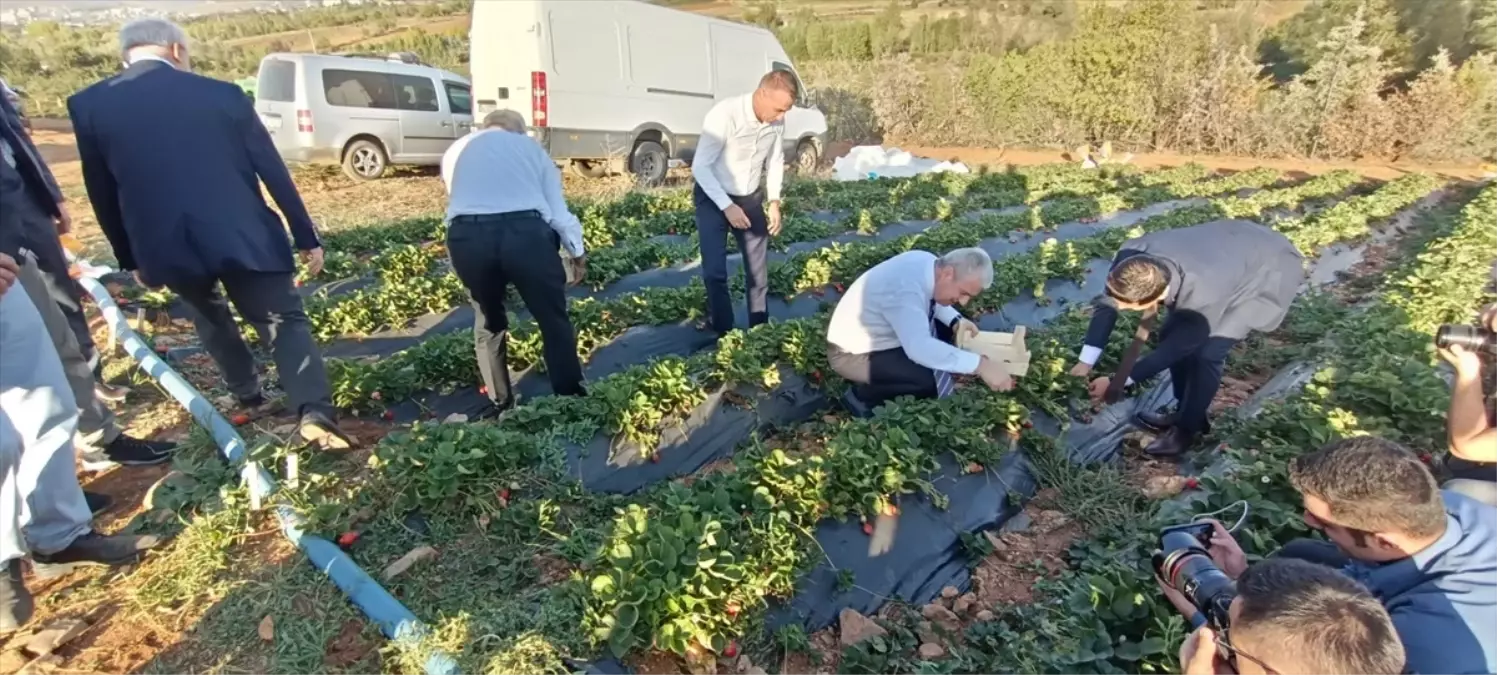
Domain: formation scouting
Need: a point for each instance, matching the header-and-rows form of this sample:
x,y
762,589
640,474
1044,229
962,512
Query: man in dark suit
x,y
31,219
1220,281
173,163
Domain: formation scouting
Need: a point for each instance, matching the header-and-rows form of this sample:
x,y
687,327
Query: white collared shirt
x,y
137,58
889,306
497,171
736,151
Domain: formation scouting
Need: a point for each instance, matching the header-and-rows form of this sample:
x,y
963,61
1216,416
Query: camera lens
x,y
1470,337
1191,572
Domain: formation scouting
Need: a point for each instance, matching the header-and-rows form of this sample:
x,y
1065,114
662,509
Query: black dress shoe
x,y
1156,422
111,393
128,451
94,549
855,405
16,605
1172,443
97,502
321,430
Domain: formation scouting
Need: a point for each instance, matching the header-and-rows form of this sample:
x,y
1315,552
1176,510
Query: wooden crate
x,y
1006,348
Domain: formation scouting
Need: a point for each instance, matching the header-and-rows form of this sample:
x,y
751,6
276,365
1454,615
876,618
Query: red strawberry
x,y
731,650
816,375
240,420
974,467
483,390
1191,483
375,395
388,415
298,283
732,609
1426,458
504,494
868,529
347,539
840,288
1028,424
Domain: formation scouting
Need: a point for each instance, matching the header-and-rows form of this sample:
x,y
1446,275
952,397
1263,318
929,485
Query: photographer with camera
x,y
1430,557
1472,463
1291,616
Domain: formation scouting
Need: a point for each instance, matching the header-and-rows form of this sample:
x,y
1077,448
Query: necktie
x,y
1130,356
945,384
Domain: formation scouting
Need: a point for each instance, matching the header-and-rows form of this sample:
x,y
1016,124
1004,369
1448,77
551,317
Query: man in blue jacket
x,y
173,163
1429,556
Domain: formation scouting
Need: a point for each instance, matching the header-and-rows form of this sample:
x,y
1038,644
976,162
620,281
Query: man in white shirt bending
x,y
742,144
506,222
892,333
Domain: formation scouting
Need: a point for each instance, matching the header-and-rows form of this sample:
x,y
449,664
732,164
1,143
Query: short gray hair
x,y
151,32
970,263
505,119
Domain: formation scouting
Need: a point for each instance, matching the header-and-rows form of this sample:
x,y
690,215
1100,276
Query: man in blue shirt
x,y
1429,556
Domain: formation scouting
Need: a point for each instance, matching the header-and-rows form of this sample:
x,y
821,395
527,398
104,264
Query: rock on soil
x,y
54,635
942,616
856,628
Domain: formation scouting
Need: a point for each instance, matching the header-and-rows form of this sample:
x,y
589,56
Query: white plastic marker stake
x,y
293,469
884,528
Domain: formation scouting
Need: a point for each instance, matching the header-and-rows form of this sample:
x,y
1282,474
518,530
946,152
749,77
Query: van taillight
x,y
304,121
538,98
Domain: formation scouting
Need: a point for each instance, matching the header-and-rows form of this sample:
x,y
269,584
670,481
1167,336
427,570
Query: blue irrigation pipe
x,y
392,617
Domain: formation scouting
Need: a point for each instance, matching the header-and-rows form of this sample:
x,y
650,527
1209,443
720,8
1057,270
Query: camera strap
x,y
1130,356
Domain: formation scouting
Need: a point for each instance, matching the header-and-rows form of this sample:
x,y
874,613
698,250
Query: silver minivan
x,y
362,112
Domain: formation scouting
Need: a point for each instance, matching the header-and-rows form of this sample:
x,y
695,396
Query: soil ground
x,y
156,618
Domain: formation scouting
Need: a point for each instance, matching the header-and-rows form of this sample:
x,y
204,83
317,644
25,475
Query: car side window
x,y
415,93
358,89
459,98
801,99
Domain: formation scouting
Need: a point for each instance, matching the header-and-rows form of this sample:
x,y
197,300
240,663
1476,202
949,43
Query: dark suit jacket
x,y
173,163
1227,278
28,192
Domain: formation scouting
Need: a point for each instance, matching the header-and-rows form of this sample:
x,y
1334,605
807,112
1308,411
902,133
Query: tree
x,y
1295,44
1334,109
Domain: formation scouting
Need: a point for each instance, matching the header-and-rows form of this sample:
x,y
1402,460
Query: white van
x,y
363,112
608,84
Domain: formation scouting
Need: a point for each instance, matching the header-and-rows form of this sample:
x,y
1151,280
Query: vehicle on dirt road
x,y
363,112
613,85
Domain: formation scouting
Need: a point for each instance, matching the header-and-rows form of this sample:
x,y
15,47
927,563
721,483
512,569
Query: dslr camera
x,y
1183,563
1473,338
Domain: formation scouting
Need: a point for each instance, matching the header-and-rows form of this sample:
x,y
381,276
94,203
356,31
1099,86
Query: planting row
x,y
689,567
446,361
1376,374
639,216
722,545
413,281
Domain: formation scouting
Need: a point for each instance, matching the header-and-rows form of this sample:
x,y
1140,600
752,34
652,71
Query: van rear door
x,y
275,101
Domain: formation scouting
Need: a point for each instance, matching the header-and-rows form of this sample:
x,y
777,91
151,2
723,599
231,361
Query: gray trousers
x,y
96,423
269,302
41,505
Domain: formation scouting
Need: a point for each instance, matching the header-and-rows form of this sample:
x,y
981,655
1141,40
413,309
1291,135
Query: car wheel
x,y
649,162
807,157
364,160
587,169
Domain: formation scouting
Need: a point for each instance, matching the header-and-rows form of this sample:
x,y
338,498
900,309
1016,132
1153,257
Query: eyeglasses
x,y
1236,653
